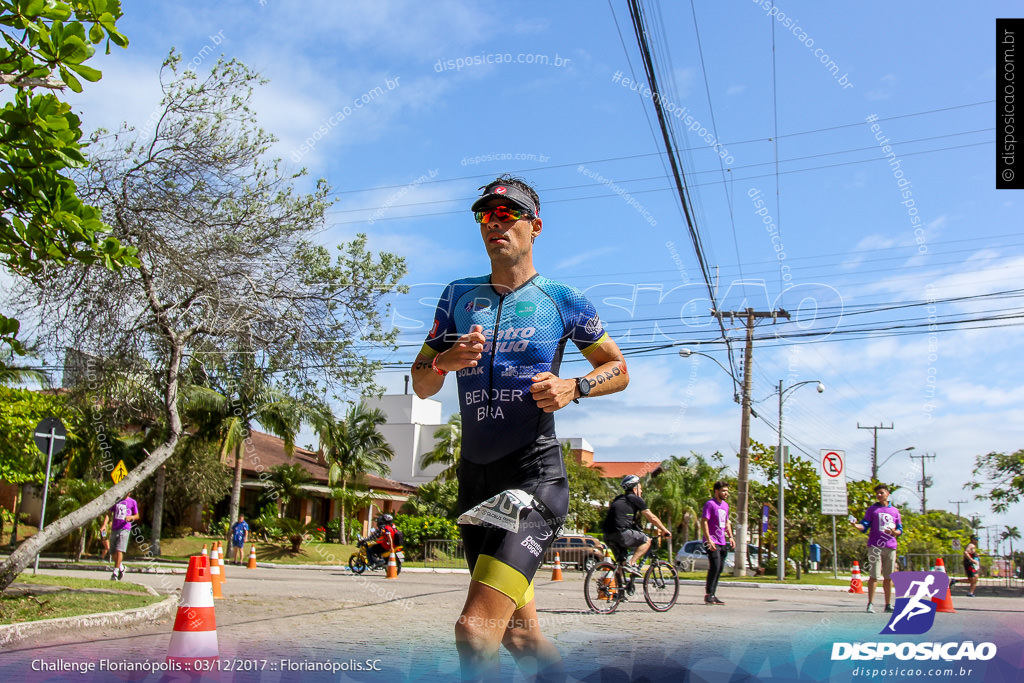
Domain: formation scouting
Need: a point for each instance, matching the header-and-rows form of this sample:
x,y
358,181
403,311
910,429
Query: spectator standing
x,y
718,539
239,537
883,526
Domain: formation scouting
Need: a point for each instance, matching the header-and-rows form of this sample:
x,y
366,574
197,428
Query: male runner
x,y
503,335
124,512
972,564
883,525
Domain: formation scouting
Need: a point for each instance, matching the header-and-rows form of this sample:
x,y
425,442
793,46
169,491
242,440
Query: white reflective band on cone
x,y
196,594
192,645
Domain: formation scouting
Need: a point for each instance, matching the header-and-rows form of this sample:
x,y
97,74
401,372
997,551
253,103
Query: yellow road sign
x,y
120,472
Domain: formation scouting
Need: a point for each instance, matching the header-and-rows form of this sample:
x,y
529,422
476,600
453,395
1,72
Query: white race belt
x,y
500,511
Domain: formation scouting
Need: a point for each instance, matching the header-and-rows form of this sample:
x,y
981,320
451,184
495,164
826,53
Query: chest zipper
x,y
494,351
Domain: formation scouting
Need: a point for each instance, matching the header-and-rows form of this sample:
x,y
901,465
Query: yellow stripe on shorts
x,y
501,577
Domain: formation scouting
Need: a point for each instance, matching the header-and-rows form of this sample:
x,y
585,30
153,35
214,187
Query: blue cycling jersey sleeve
x,y
525,331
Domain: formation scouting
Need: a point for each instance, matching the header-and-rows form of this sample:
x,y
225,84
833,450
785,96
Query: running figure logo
x,y
915,609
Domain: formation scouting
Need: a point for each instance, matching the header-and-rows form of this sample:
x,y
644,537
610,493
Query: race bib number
x,y
500,511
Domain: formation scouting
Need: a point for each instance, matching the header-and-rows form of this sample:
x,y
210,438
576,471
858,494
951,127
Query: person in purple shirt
x,y
883,526
718,538
124,512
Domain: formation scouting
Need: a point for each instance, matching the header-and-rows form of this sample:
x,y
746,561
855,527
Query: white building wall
x,y
410,429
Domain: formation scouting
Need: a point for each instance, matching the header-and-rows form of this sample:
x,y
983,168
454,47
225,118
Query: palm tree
x,y
19,374
1010,535
352,447
447,448
285,484
229,414
664,495
74,494
692,479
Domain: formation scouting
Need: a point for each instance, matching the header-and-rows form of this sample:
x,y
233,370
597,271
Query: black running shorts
x,y
503,559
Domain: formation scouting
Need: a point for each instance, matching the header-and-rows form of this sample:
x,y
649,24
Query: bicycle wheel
x,y
356,564
661,586
603,588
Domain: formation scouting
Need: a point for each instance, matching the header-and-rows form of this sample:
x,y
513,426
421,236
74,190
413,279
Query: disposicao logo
x,y
914,611
913,614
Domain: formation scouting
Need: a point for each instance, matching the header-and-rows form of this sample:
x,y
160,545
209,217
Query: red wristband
x,y
433,364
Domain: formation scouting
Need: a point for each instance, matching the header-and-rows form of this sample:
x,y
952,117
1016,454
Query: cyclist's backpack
x,y
399,537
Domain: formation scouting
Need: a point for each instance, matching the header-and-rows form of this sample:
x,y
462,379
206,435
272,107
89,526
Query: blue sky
x,y
859,231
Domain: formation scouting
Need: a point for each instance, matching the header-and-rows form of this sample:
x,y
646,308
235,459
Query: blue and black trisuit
x,y
509,443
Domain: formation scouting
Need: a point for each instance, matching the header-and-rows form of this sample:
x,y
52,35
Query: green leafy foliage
x,y
418,529
194,474
297,531
586,492
1001,478
44,223
447,448
20,411
285,484
436,498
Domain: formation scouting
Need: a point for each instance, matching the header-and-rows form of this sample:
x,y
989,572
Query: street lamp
x,y
782,491
908,449
686,353
742,482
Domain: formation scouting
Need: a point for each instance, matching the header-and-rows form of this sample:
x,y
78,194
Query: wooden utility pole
x,y
742,478
924,482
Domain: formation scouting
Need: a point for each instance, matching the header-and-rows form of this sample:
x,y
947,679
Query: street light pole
x,y
780,456
907,449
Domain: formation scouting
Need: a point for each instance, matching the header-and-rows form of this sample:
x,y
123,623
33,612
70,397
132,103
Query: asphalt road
x,y
282,621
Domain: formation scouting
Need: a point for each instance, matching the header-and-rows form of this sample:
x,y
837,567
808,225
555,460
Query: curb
x,y
13,634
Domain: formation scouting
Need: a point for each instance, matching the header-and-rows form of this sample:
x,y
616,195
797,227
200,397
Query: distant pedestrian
x,y
882,524
124,512
239,537
972,565
104,541
718,539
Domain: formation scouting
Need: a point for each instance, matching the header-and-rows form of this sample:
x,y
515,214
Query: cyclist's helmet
x,y
629,481
385,519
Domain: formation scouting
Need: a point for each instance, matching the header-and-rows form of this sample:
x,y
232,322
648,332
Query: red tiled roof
x,y
617,470
267,451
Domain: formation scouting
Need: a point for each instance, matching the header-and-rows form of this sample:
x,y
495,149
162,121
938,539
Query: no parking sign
x,y
833,482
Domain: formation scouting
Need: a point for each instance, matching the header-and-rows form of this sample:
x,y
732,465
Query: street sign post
x,y
833,493
50,437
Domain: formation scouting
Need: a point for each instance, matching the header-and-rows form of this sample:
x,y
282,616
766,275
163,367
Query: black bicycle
x,y
609,584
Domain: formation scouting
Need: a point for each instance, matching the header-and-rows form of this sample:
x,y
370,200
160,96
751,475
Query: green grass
x,y
75,582
71,602
17,609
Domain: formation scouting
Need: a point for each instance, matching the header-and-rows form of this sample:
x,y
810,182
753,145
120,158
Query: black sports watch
x,y
583,386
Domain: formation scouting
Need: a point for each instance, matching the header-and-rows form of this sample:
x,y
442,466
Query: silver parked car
x,y
693,557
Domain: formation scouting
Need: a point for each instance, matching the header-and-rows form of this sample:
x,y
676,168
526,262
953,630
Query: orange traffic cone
x,y
855,584
215,574
607,586
206,553
392,572
943,604
221,562
556,573
252,558
194,638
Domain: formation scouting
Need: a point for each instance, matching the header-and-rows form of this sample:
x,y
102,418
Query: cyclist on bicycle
x,y
385,531
621,526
